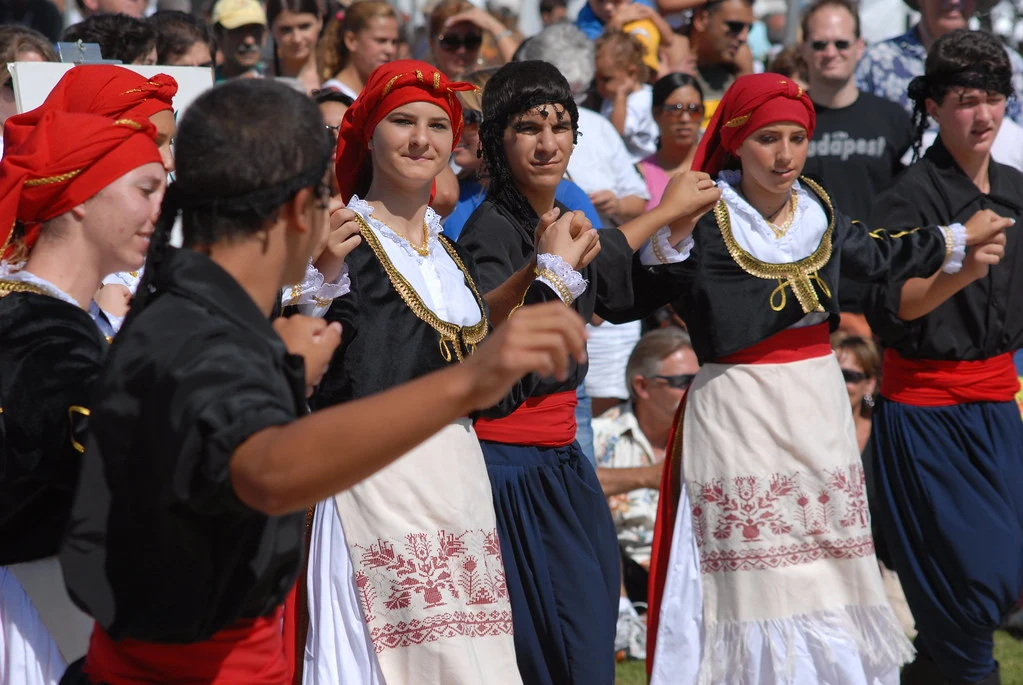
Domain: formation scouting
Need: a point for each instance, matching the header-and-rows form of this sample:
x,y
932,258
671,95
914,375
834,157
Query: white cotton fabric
x,y
601,161
28,654
338,648
641,131
778,526
436,278
572,279
314,294
607,350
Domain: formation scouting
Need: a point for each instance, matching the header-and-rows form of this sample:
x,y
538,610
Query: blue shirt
x,y
471,195
588,23
887,68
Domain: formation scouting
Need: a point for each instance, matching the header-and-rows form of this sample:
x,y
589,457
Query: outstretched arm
x,y
289,467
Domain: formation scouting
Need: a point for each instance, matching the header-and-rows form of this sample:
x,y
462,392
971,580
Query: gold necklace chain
x,y
780,231
423,251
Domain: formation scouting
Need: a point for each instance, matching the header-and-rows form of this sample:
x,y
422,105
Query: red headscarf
x,y
65,160
752,102
104,89
390,86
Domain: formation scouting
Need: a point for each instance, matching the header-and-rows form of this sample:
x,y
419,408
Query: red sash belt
x,y
932,383
547,421
251,652
790,345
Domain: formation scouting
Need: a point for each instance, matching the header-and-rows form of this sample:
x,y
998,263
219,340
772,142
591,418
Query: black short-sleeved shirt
x,y
159,546
50,355
856,152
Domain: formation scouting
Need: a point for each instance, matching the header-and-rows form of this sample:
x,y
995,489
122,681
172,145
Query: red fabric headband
x,y
104,89
65,160
390,86
752,102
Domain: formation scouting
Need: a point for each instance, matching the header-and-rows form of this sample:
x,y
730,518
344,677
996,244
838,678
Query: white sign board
x,y
33,81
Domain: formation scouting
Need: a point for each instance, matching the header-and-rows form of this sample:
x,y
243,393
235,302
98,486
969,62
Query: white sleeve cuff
x,y
313,296
572,279
129,279
954,263
658,250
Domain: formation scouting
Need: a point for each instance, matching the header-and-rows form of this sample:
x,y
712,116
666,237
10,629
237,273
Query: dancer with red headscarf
x,y
79,194
118,93
770,575
421,534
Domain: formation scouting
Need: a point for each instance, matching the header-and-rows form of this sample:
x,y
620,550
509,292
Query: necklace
x,y
423,251
780,231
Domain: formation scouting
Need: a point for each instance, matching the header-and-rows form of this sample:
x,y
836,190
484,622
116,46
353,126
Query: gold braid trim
x,y
738,121
71,411
387,88
436,80
799,276
463,339
60,178
129,123
8,287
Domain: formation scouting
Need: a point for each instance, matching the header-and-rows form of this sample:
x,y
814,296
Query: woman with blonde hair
x,y
356,42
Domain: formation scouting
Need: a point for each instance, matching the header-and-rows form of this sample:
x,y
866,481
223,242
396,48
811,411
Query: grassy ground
x,y
1009,653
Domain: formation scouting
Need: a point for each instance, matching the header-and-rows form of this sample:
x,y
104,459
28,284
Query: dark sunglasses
x,y
851,376
470,41
472,117
679,382
822,45
734,28
677,109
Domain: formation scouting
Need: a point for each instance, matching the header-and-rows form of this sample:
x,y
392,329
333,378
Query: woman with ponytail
x,y
79,194
359,39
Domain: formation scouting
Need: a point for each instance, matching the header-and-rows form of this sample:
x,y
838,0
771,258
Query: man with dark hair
x,y
553,11
860,138
717,36
182,39
198,470
240,30
120,36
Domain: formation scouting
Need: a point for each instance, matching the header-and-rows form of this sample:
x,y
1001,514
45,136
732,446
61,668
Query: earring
x,y
868,400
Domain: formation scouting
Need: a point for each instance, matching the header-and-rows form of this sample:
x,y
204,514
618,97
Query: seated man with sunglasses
x,y
860,138
717,37
629,441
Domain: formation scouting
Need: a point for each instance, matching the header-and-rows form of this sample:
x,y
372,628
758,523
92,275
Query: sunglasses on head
x,y
679,382
470,41
821,45
734,28
677,109
851,376
472,116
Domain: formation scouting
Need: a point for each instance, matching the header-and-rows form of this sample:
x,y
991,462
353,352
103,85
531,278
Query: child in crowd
x,y
627,98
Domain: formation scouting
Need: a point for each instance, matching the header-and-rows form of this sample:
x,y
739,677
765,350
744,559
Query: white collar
x,y
433,227
13,272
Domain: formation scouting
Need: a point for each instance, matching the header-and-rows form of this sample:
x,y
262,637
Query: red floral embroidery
x,y
427,586
440,627
759,522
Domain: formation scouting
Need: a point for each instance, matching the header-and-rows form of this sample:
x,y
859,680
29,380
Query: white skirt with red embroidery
x,y
772,577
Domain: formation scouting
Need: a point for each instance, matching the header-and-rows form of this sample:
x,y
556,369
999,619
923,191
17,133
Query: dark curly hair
x,y
959,59
119,36
515,89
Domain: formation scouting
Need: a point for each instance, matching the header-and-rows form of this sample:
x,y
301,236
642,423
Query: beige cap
x,y
234,13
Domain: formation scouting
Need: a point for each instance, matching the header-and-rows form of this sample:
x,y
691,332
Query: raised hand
x,y
342,237
690,194
984,224
541,339
312,339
